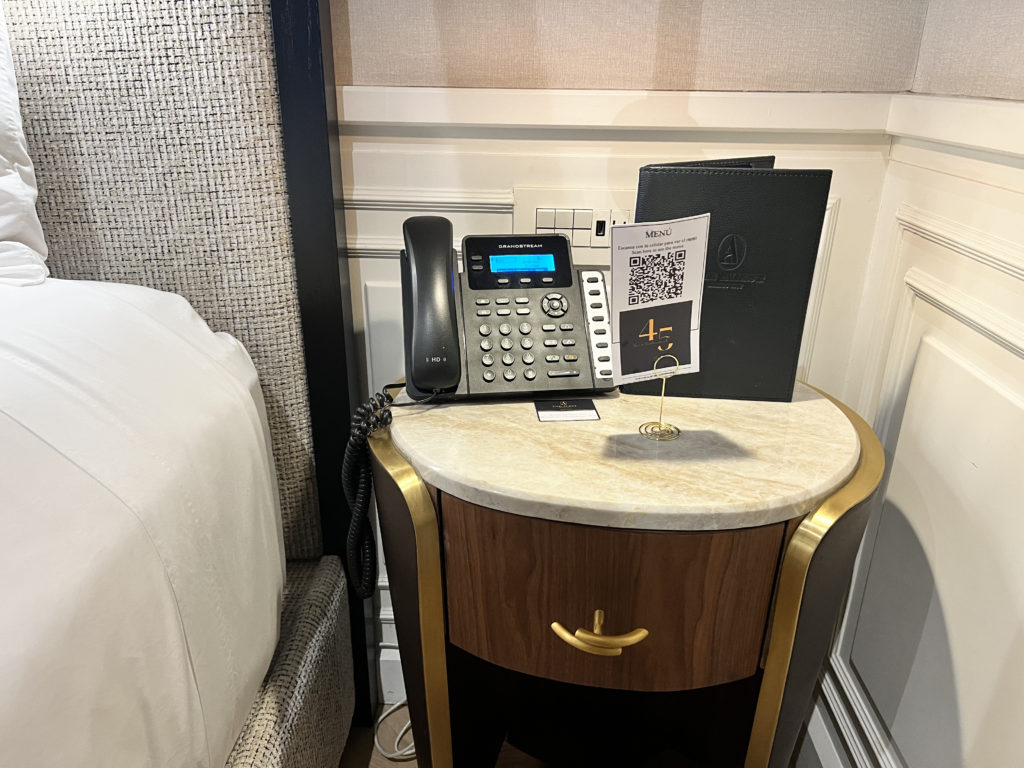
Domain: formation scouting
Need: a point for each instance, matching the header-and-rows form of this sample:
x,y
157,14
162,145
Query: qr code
x,y
656,276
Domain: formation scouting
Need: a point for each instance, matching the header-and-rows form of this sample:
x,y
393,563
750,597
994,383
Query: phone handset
x,y
432,360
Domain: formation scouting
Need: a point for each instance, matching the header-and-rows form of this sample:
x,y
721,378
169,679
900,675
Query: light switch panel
x,y
585,216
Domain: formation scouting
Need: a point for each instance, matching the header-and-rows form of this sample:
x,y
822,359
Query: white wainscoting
x,y
928,665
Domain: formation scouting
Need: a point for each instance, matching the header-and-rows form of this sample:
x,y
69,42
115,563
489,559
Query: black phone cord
x,y
357,482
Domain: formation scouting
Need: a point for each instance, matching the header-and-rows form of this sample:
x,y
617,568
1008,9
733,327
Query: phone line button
x,y
561,374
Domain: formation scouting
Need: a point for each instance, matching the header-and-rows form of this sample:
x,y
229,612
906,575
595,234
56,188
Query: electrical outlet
x,y
622,216
585,216
601,232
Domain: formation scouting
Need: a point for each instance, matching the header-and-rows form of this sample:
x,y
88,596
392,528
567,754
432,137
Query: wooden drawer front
x,y
703,597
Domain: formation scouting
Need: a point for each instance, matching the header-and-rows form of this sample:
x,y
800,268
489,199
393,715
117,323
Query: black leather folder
x,y
762,245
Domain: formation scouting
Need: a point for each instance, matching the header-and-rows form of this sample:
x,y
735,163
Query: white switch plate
x,y
609,206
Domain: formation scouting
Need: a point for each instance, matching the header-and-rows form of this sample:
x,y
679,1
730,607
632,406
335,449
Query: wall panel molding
x,y
967,241
987,124
863,736
931,263
993,325
957,238
423,199
623,110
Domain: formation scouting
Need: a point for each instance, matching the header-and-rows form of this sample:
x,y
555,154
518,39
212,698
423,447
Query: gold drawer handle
x,y
597,642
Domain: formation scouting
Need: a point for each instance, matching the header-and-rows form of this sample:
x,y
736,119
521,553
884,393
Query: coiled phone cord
x,y
357,482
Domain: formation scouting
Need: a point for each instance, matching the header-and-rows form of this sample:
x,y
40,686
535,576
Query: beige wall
x,y
972,48
760,45
949,47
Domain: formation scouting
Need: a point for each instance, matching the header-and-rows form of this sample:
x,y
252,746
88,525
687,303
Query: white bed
x,y
141,555
141,550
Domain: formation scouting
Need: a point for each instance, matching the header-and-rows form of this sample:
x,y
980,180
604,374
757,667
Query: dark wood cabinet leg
x,y
478,697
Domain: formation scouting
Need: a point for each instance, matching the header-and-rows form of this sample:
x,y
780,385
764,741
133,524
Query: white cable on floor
x,y
407,752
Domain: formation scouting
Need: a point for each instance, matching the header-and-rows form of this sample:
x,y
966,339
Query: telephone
x,y
519,319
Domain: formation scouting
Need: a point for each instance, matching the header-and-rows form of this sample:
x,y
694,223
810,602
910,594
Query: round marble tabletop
x,y
735,464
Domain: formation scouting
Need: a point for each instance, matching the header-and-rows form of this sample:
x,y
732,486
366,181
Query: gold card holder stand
x,y
659,430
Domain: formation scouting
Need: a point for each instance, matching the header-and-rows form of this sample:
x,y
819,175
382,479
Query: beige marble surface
x,y
735,464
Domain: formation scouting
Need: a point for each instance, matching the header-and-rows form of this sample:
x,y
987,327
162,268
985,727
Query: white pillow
x,y
22,248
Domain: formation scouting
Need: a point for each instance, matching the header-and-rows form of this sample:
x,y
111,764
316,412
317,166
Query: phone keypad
x,y
517,340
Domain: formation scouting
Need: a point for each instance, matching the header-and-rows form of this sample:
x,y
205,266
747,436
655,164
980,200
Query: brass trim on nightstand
x,y
431,600
793,580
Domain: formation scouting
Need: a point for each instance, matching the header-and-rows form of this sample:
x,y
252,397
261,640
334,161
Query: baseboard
x,y
389,667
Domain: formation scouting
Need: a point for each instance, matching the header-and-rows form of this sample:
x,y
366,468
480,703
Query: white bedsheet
x,y
141,555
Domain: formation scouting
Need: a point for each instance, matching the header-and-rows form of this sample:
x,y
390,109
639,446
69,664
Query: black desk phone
x,y
519,319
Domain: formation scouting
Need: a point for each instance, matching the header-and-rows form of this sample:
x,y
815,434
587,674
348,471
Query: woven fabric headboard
x,y
154,127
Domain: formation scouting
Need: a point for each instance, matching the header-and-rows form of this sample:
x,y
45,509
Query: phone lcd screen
x,y
522,262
